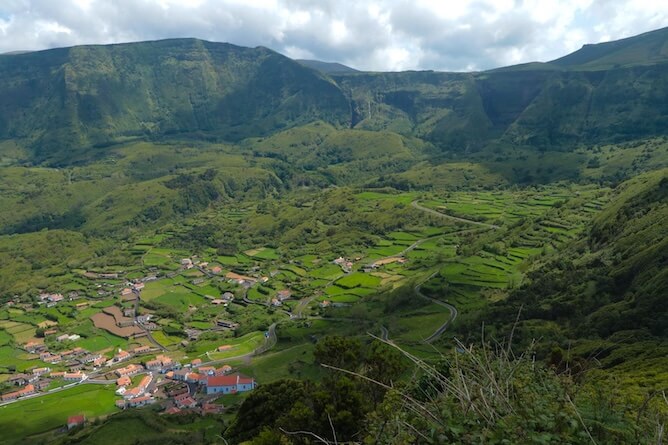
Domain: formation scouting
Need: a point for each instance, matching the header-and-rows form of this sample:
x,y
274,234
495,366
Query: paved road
x,y
451,308
417,205
384,333
148,332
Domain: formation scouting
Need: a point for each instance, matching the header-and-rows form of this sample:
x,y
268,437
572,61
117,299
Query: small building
x,y
229,384
227,324
74,376
193,377
184,400
144,318
34,347
55,358
196,362
166,361
225,369
141,349
75,421
43,384
122,355
135,403
41,371
140,401
18,379
180,374
138,286
123,381
129,370
207,370
153,364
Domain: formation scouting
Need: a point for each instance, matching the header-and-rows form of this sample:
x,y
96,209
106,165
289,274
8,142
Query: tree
x,y
339,352
383,364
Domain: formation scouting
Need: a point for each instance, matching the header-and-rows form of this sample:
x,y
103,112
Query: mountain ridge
x,y
66,105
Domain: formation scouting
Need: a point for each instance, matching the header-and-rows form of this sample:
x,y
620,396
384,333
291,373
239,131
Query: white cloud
x,y
373,34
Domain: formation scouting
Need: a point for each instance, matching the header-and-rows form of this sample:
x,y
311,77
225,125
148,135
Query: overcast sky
x,y
452,35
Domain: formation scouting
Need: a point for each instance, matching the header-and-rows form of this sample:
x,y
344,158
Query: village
x,y
149,374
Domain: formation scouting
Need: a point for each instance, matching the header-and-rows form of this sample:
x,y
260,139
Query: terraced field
x,y
532,221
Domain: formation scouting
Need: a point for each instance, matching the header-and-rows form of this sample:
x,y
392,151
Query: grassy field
x,y
358,279
239,346
263,253
22,419
416,326
181,300
293,362
102,341
168,291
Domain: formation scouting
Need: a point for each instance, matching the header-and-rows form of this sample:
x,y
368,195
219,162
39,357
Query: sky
x,y
379,35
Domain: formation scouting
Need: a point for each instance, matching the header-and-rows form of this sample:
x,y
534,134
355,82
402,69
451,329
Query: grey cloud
x,y
405,36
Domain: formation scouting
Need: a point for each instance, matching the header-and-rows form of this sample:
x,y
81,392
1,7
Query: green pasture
x,y
358,279
24,418
240,346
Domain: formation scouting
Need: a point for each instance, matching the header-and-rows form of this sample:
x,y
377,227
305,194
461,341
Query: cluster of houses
x,y
74,359
210,379
27,390
213,380
242,280
130,395
203,266
50,299
345,264
182,401
38,380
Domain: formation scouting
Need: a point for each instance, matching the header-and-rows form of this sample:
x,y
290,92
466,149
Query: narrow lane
x,y
417,205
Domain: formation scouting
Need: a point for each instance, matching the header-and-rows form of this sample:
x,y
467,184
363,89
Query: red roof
x,y
228,380
222,380
76,420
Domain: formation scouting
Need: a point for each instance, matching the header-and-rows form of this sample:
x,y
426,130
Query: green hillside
x,y
403,257
59,101
604,293
648,48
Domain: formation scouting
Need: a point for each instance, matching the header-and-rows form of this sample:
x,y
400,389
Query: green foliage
x,y
487,395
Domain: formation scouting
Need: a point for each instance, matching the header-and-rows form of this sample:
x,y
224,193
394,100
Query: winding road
x,y
384,333
451,308
417,205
